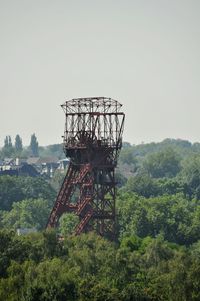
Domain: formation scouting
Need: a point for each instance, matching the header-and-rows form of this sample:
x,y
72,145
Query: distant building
x,y
17,167
45,166
33,166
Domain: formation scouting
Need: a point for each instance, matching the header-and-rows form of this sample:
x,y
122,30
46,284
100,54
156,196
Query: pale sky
x,y
144,53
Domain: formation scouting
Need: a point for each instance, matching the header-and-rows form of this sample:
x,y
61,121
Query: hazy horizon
x,y
124,141
145,54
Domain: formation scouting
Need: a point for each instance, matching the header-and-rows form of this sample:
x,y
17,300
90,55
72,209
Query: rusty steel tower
x,y
92,141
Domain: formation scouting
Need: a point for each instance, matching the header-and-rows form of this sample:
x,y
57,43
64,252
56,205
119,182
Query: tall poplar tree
x,y
34,146
18,144
7,150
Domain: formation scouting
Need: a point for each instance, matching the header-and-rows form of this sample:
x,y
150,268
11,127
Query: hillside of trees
x,y
156,255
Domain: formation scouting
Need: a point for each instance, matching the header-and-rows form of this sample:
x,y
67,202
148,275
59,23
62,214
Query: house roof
x,y
39,161
48,160
33,160
8,161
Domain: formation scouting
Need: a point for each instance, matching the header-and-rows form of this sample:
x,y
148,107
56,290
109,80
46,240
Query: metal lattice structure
x,y
92,141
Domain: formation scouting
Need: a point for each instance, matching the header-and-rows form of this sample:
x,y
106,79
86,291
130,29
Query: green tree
x,y
126,156
27,214
191,175
8,142
18,144
143,185
165,163
120,179
175,216
11,248
7,150
57,179
68,222
14,189
49,280
34,146
10,191
55,150
171,186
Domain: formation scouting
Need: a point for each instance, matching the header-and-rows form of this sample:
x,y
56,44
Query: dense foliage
x,y
156,255
39,267
15,189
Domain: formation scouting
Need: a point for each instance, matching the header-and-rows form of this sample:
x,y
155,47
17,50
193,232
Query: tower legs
x,y
89,192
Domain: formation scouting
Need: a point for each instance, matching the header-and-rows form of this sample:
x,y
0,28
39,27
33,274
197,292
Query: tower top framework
x,y
92,104
93,123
